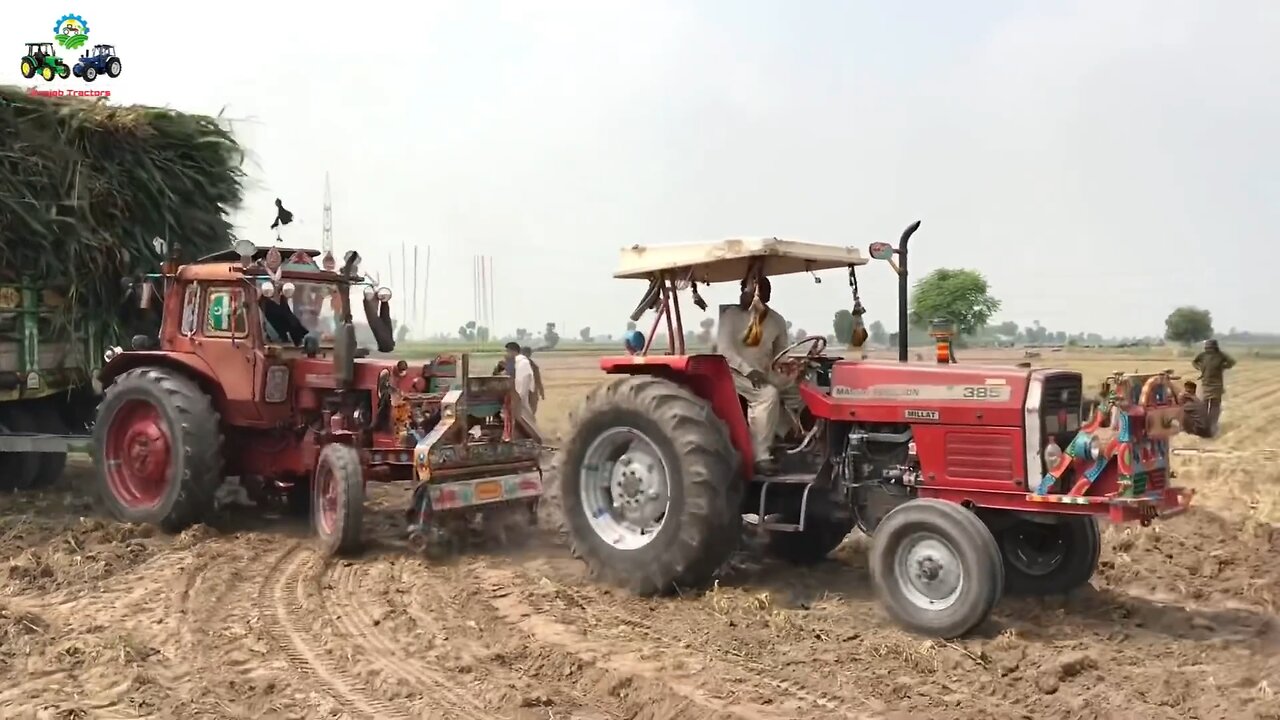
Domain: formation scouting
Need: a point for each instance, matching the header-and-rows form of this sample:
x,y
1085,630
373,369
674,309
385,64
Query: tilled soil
x,y
242,619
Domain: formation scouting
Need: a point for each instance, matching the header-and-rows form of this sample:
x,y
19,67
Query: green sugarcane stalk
x,y
85,186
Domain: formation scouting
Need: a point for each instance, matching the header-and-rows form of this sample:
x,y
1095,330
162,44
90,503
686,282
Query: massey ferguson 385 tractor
x,y
971,480
256,372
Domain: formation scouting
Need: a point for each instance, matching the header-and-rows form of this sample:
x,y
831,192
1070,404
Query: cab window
x,y
219,305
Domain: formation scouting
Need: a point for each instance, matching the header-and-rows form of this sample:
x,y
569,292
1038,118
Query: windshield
x,y
314,304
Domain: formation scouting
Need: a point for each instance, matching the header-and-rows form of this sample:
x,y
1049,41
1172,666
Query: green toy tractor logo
x,y
42,59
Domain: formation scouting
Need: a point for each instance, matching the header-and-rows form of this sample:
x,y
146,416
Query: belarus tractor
x,y
971,480
256,373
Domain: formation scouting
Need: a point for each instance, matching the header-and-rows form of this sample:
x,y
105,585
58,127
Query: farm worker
x,y
539,392
1193,413
750,335
522,370
1212,364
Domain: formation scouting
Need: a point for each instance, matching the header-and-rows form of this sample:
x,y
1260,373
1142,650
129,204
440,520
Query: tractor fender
x,y
709,378
191,366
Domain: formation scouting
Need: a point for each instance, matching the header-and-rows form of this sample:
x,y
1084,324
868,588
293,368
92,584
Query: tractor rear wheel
x,y
1049,558
157,449
28,68
64,70
936,568
338,499
650,489
113,67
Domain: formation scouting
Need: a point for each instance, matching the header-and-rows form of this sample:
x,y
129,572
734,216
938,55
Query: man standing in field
x,y
539,394
750,335
522,370
1212,364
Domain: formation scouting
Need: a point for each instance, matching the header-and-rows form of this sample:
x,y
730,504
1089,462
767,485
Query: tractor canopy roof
x,y
729,260
227,263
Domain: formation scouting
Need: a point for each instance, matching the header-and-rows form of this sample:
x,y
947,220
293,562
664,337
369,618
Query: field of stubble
x,y
240,619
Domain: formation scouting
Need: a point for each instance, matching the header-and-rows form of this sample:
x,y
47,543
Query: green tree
x,y
842,323
550,337
961,296
585,334
1187,325
878,335
1008,328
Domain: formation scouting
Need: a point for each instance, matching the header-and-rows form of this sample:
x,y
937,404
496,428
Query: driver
x,y
751,334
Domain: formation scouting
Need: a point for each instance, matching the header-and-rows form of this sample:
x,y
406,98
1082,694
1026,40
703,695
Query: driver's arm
x,y
780,342
728,339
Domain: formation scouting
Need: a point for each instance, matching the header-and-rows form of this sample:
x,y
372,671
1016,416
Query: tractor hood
x,y
922,390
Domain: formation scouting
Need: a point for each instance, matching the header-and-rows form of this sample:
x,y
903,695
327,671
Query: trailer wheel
x,y
650,489
1049,559
46,419
338,501
158,449
18,470
936,568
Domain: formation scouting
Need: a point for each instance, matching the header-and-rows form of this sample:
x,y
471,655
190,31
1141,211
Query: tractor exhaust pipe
x,y
904,289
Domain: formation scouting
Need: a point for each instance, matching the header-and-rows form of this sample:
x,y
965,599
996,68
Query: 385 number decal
x,y
983,392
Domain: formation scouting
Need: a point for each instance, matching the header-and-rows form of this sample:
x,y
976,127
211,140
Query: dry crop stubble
x,y
1188,606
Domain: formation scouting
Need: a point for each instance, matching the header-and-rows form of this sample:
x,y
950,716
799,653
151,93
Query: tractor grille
x,y
1060,406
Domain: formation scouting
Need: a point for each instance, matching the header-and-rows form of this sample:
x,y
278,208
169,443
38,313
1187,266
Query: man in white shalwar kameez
x,y
525,384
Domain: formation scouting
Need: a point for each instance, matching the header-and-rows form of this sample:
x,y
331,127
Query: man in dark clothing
x,y
1212,364
1193,414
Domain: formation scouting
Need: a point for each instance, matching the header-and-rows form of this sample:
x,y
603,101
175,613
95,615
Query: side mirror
x,y
880,251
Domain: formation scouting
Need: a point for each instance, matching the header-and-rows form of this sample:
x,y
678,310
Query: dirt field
x,y
240,619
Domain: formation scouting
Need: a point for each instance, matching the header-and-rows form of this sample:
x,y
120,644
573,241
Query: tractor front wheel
x,y
649,486
1049,558
936,568
337,505
157,449
90,74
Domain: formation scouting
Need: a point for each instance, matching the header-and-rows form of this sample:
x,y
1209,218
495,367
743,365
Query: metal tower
x,y
326,240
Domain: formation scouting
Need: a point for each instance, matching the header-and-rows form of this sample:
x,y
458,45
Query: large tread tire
x,y
338,526
18,470
194,439
982,573
703,525
1076,537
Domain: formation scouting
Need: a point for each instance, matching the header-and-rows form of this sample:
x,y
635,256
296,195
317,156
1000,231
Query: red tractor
x,y
971,480
256,373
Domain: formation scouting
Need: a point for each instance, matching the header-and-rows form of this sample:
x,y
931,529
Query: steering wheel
x,y
818,343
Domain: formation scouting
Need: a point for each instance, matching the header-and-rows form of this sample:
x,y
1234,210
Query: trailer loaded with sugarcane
x,y
90,194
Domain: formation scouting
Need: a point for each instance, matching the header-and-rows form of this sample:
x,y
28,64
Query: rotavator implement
x,y
972,480
256,373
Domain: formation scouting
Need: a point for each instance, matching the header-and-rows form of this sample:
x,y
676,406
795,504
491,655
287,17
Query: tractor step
x,y
786,478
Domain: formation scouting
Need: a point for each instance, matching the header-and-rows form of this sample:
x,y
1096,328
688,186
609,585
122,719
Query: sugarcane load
x,y
92,195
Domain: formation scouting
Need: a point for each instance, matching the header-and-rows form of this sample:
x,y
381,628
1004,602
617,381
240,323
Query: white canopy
x,y
727,260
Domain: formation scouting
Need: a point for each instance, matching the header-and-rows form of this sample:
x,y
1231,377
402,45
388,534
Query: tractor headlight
x,y
1052,455
384,294
287,290
268,289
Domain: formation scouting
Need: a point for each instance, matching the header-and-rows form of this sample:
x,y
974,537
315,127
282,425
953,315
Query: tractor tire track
x,y
347,607
608,620
534,616
284,603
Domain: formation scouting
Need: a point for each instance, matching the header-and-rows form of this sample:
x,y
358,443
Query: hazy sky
x,y
1100,162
